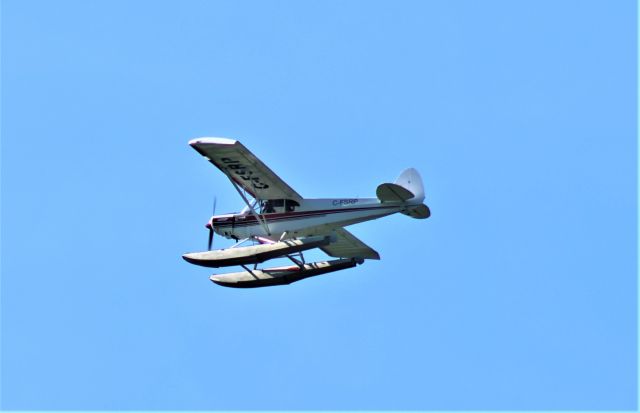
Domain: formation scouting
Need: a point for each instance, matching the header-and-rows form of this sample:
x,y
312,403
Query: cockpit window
x,y
278,205
266,207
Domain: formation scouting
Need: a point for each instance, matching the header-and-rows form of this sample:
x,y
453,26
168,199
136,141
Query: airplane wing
x,y
244,168
348,246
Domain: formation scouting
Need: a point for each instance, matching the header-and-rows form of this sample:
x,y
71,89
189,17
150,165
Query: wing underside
x,y
348,245
244,168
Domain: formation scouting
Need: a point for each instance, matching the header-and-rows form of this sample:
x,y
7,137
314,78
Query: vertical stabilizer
x,y
410,179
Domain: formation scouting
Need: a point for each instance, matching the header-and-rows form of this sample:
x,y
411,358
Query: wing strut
x,y
255,214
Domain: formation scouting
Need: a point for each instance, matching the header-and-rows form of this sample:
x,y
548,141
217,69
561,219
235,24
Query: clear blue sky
x,y
518,293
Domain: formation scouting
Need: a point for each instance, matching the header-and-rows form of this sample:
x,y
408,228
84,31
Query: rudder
x,y
410,179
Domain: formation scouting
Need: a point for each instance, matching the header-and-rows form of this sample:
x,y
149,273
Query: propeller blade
x,y
215,203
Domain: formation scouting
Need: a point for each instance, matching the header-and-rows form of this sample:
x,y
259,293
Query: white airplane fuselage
x,y
308,218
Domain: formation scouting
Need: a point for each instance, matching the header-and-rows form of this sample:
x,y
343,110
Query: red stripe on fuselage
x,y
280,216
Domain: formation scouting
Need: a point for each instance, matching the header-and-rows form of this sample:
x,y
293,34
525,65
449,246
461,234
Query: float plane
x,y
280,223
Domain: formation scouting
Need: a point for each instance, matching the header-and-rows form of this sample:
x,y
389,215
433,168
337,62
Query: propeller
x,y
210,239
210,224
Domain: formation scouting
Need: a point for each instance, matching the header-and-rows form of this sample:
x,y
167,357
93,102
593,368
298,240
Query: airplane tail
x,y
410,180
407,188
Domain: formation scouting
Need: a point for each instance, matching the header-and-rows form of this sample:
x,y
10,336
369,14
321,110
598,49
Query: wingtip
x,y
212,141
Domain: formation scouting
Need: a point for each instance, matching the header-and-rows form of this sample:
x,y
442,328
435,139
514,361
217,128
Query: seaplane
x,y
280,223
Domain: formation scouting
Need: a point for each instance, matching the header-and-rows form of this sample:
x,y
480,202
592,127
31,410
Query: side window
x,y
290,205
266,207
271,206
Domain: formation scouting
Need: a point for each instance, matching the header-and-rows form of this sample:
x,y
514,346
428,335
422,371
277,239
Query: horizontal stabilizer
x,y
419,211
393,193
